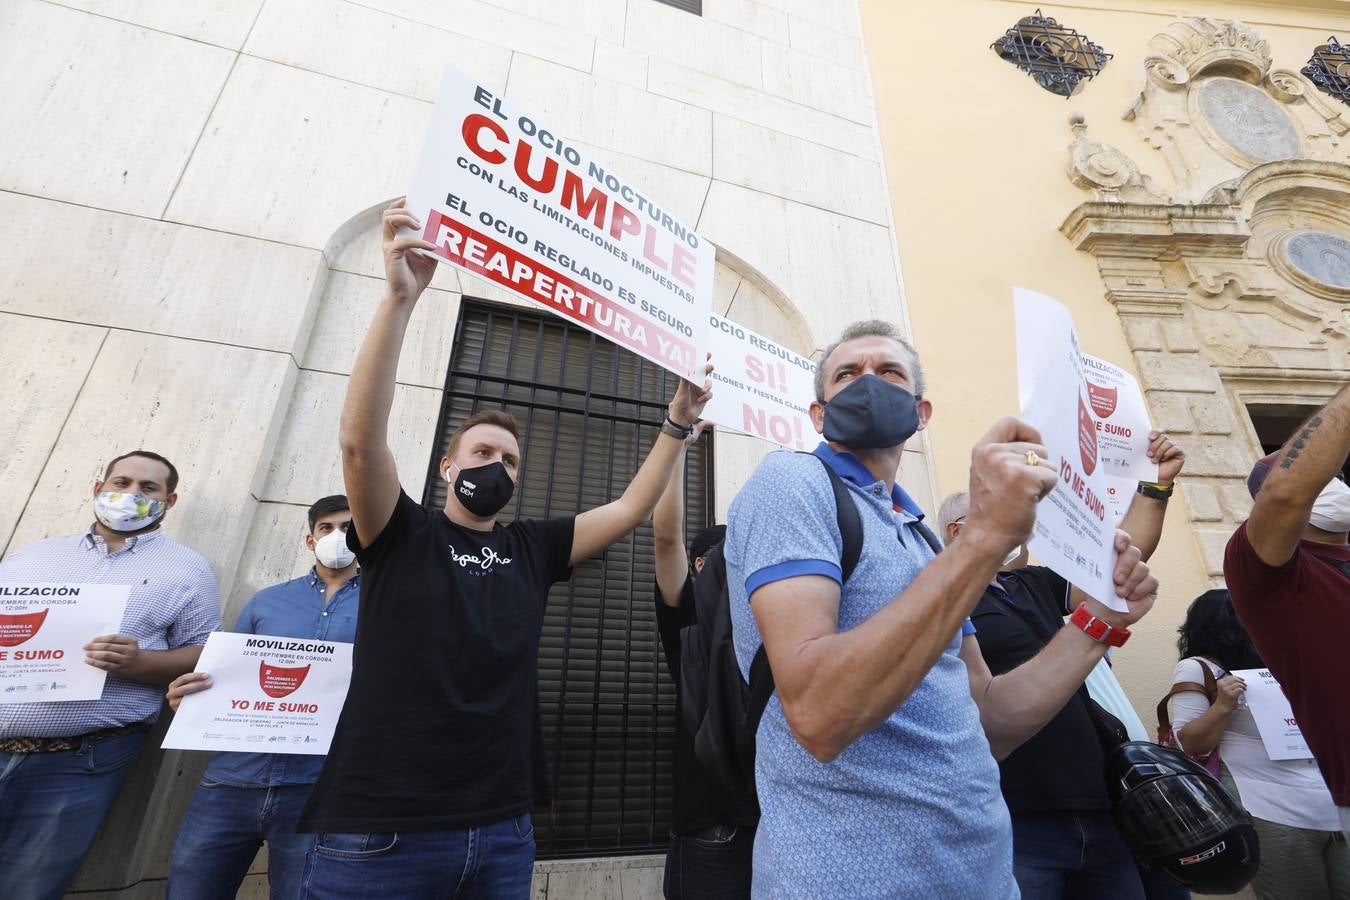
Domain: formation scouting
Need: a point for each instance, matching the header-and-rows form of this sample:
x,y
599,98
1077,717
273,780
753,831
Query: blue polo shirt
x,y
911,808
295,609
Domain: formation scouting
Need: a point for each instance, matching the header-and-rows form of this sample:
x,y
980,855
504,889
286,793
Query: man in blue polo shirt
x,y
245,799
875,760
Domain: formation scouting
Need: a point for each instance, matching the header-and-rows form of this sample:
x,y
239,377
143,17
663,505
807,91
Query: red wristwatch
x,y
1096,629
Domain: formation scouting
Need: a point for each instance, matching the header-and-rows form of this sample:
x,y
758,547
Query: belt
x,y
55,744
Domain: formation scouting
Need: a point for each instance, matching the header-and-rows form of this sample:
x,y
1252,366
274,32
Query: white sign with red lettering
x,y
1119,496
760,387
267,695
1122,420
1273,715
43,630
511,201
1074,533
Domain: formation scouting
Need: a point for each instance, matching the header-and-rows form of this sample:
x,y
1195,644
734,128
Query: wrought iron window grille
x,y
1057,57
1329,69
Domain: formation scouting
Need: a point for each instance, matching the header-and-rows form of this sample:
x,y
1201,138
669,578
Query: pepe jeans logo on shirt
x,y
480,564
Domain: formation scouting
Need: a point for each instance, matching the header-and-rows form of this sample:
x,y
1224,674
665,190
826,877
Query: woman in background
x,y
1304,856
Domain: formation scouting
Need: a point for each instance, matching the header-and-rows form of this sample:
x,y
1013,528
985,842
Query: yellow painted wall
x,y
975,155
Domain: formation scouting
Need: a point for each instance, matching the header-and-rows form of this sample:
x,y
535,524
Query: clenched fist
x,y
1005,486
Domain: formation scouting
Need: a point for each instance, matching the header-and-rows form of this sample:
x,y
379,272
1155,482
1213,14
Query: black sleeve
x,y
552,540
1050,590
669,621
406,511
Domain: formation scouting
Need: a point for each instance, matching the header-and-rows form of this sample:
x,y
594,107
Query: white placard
x,y
1117,404
43,629
760,388
1119,495
267,694
1274,717
1073,533
511,201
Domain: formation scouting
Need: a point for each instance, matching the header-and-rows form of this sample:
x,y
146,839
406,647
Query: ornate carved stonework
x,y
1234,287
1109,174
1214,106
1247,120
1321,256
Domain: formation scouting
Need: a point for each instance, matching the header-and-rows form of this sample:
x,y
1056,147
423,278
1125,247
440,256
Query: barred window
x,y
1057,57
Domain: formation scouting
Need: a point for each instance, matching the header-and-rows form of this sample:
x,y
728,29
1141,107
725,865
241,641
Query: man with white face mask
x,y
1288,573
62,763
246,799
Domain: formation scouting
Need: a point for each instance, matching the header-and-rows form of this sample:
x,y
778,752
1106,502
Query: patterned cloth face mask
x,y
127,512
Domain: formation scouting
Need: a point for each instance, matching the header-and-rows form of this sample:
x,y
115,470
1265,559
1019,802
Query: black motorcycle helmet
x,y
1179,819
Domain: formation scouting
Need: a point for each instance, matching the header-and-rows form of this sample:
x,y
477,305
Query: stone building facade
x,y
188,198
1187,203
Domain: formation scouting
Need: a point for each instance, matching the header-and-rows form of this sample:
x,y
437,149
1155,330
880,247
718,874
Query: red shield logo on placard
x,y
1087,437
281,681
1103,400
16,629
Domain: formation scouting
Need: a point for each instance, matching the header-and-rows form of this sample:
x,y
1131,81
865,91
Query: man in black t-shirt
x,y
712,831
1065,842
428,783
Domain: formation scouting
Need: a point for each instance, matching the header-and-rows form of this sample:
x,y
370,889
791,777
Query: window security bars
x,y
1058,58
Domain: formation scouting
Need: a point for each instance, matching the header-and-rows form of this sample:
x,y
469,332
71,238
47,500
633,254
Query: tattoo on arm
x,y
1300,442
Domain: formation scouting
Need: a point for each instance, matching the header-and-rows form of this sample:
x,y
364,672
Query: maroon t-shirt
x,y
1298,615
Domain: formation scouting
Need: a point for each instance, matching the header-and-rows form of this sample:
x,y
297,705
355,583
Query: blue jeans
x,y
221,833
710,866
51,805
486,862
1072,855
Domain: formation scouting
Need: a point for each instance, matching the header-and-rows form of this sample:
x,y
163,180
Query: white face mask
x,y
332,551
1012,555
1331,510
127,512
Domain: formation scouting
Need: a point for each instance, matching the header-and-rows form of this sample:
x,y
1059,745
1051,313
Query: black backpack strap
x,y
851,532
928,537
848,520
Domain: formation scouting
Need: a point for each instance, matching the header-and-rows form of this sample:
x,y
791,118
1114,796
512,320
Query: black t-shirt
x,y
1061,767
700,800
440,728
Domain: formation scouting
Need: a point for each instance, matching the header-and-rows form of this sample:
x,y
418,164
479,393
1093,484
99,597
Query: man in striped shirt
x,y
62,763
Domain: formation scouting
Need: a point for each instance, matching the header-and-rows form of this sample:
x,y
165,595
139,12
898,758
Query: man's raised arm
x,y
368,469
1308,460
597,528
836,686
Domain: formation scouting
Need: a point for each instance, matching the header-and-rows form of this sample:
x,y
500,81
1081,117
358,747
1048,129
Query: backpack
x,y
1211,760
718,706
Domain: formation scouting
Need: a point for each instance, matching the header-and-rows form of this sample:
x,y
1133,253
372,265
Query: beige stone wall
x,y
976,155
187,196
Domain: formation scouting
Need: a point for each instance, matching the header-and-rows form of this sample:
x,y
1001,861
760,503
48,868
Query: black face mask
x,y
483,490
871,414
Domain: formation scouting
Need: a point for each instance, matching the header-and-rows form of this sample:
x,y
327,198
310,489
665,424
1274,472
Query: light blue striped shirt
x,y
174,602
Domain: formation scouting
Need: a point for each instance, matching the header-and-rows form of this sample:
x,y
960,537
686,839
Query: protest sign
x,y
1273,715
269,694
1119,496
760,387
1122,420
508,200
43,630
1073,533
